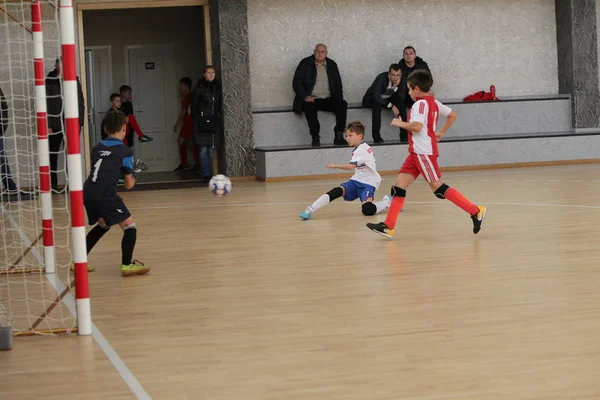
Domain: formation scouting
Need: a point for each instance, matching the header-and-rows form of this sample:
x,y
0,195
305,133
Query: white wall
x,y
469,44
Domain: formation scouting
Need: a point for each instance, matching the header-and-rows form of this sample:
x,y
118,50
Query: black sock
x,y
127,244
94,236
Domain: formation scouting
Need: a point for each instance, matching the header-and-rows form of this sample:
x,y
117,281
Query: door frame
x,y
109,48
80,7
86,126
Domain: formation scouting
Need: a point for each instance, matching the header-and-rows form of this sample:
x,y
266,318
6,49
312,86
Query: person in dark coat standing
x,y
409,63
10,187
206,118
318,86
386,92
7,181
54,101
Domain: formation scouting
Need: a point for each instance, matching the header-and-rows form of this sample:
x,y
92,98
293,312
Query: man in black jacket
x,y
54,102
318,86
409,63
10,187
206,118
8,183
385,92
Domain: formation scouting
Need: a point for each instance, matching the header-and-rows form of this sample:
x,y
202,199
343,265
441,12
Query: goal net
x,y
41,230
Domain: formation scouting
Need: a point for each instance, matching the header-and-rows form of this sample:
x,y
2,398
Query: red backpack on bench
x,y
482,96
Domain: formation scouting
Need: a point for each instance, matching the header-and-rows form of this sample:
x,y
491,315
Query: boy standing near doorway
x,y
127,109
187,127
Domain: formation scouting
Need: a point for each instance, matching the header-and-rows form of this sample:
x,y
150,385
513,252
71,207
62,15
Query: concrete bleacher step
x,y
531,114
300,162
511,130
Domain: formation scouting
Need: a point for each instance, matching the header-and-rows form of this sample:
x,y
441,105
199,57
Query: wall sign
x,y
149,65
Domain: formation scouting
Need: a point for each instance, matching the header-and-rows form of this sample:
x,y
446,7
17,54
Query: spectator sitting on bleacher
x,y
409,63
318,86
385,92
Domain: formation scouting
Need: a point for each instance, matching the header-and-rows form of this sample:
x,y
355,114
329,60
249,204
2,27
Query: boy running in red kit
x,y
422,160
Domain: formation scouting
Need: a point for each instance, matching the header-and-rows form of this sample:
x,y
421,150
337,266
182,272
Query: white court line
x,y
351,203
453,174
69,301
220,205
518,204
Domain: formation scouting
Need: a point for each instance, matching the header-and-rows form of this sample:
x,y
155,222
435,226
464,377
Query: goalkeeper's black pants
x,y
55,141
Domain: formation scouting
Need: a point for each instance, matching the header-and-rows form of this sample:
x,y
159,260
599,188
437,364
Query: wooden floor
x,y
167,180
245,301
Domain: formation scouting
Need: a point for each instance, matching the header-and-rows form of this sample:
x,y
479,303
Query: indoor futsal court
x,y
246,301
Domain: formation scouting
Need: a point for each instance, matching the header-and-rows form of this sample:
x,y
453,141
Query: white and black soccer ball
x,y
219,185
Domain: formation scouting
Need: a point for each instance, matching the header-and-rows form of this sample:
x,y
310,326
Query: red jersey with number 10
x,y
426,111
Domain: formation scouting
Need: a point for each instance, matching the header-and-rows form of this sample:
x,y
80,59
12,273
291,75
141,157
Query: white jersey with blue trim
x,y
366,166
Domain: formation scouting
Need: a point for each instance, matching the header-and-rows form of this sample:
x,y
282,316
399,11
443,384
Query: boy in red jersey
x,y
187,127
116,103
423,149
132,124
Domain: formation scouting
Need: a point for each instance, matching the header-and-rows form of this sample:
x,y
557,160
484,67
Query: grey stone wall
x,y
230,46
577,48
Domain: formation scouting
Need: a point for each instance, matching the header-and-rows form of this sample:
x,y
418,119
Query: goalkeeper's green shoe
x,y
135,268
89,268
145,139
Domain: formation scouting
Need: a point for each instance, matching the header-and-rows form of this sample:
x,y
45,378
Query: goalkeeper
x,y
111,159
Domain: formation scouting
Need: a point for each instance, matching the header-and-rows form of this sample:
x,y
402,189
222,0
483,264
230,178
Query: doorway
x,y
148,46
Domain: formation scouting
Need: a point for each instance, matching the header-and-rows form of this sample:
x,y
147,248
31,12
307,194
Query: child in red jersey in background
x,y
132,124
187,127
117,104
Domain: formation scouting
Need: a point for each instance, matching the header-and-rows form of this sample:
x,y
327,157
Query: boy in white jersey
x,y
363,183
423,149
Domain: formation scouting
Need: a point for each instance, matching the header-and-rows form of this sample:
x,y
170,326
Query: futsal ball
x,y
219,185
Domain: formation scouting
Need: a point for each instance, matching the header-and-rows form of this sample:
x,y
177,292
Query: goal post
x,y
42,231
42,135
74,165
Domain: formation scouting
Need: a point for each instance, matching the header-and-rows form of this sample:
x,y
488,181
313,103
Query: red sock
x,y
135,126
183,154
394,211
457,198
197,154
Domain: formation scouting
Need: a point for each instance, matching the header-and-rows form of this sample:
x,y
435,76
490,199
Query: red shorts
x,y
186,132
421,164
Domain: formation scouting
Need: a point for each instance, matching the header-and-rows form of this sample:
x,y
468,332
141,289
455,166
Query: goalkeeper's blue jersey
x,y
111,159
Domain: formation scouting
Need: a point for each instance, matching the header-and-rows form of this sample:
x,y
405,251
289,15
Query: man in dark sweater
x,y
318,86
386,92
409,63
